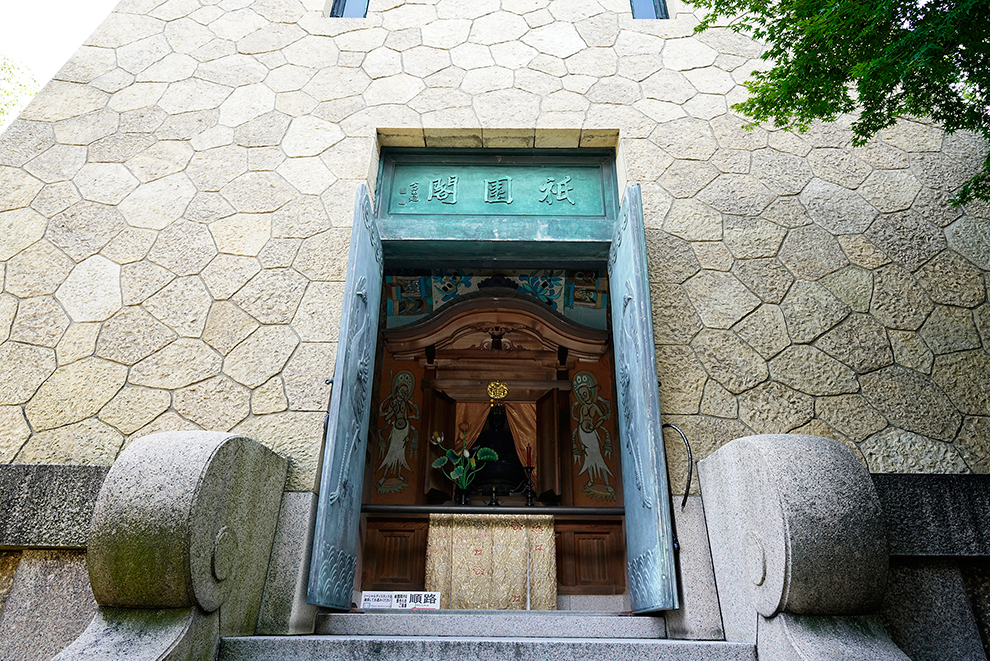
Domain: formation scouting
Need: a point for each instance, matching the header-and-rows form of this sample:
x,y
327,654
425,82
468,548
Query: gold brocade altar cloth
x,y
492,561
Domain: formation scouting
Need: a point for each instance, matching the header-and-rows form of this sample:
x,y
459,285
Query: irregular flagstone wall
x,y
175,210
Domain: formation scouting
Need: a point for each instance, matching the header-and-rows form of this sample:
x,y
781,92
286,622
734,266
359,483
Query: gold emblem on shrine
x,y
497,391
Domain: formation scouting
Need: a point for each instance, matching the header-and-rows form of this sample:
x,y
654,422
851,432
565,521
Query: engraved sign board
x,y
500,189
491,208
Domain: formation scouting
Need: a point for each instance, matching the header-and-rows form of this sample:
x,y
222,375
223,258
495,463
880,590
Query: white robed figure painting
x,y
397,411
592,441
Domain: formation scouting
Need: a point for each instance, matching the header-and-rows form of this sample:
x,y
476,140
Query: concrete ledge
x,y
699,617
795,527
789,637
599,603
936,515
8,568
48,506
166,634
50,603
976,574
492,138
181,536
319,648
493,624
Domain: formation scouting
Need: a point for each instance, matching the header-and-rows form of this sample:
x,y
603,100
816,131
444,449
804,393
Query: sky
x,y
43,34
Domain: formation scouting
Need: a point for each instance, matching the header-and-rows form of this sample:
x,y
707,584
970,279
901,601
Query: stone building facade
x,y
176,205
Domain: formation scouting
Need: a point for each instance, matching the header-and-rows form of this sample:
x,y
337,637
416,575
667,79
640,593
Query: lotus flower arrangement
x,y
465,463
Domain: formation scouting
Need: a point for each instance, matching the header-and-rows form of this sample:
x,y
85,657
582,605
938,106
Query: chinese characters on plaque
x,y
556,190
496,191
444,189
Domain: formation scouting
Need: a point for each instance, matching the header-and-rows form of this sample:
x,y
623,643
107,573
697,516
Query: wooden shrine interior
x,y
495,334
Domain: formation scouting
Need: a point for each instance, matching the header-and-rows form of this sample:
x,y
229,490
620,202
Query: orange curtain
x,y
522,424
472,414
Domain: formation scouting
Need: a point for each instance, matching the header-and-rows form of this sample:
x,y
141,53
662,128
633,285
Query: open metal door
x,y
649,539
335,543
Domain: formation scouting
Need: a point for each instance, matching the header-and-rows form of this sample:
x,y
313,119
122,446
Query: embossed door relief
x,y
649,546
337,535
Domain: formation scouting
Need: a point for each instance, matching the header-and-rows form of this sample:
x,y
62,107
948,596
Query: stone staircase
x,y
483,636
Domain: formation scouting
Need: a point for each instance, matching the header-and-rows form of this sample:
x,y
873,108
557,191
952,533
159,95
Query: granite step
x,y
491,624
450,648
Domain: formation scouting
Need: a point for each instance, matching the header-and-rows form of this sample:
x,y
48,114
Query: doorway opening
x,y
505,210
446,335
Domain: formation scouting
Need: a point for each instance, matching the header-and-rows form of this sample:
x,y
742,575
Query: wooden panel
x,y
593,446
398,434
548,477
592,551
394,554
442,418
590,557
497,312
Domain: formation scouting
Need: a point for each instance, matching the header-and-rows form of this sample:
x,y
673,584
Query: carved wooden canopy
x,y
496,334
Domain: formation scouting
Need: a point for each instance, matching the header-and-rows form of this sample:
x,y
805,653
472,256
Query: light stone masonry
x,y
175,210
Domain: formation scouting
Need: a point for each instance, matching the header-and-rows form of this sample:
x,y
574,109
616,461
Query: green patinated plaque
x,y
496,206
485,183
507,189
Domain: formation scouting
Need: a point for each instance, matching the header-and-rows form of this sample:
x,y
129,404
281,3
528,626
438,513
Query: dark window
x,y
349,8
649,9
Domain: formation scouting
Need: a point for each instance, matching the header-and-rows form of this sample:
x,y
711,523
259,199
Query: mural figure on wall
x,y
397,411
592,440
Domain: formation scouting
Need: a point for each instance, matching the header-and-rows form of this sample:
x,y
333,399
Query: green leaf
x,y
456,473
440,462
452,456
879,59
487,454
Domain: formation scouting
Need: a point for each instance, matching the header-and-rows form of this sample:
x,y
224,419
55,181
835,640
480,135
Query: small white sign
x,y
404,600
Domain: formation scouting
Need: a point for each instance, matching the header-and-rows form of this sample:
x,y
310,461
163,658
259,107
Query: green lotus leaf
x,y
487,454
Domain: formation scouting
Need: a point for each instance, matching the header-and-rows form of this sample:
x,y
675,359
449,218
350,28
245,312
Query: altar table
x,y
492,561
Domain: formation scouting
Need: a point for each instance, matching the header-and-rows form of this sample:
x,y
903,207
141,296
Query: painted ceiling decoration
x,y
580,295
